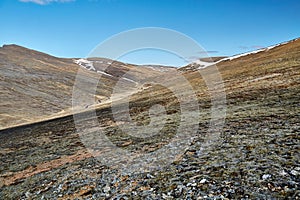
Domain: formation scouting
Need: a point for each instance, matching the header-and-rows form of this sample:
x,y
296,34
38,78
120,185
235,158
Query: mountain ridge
x,y
255,154
39,85
14,58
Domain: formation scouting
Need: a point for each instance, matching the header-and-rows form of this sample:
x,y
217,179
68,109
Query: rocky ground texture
x,y
255,157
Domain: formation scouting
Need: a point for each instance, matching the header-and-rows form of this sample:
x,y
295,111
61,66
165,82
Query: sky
x,y
72,28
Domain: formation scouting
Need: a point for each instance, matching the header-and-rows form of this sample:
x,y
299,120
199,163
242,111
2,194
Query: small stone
x,y
134,193
149,176
266,176
283,173
203,181
294,172
178,191
106,189
164,196
232,191
28,194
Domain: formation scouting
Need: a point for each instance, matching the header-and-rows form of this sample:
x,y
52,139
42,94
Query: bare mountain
x,y
255,157
36,86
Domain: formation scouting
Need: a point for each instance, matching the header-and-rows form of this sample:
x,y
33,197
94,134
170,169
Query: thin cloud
x,y
244,47
206,52
193,58
257,47
44,2
251,47
199,55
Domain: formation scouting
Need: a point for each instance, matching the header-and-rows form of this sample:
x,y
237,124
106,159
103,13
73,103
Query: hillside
x,y
255,157
36,86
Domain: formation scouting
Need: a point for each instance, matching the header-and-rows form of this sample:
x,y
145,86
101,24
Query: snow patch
x,y
241,55
265,77
207,64
130,80
104,73
252,52
203,64
85,64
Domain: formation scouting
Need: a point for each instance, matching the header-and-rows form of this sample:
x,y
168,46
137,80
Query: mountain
x,y
256,154
36,86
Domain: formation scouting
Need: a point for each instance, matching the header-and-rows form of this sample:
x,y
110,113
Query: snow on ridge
x,y
252,52
207,64
203,64
241,55
85,64
89,65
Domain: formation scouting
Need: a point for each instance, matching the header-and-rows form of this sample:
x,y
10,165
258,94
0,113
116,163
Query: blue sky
x,y
73,28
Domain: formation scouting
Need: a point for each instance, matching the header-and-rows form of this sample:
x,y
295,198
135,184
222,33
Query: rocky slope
x,y
257,156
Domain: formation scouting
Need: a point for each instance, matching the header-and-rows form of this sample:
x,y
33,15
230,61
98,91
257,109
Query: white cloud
x,y
44,2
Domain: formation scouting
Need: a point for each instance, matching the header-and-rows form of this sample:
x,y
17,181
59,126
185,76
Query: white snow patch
x,y
203,64
241,55
252,52
199,64
207,64
265,77
130,80
104,73
85,64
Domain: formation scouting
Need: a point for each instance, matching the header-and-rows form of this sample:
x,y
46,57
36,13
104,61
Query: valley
x,y
255,157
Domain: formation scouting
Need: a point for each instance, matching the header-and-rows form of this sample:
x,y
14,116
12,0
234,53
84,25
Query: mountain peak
x,y
14,46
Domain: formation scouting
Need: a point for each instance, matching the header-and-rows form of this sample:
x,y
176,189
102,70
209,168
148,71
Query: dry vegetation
x,y
257,156
36,86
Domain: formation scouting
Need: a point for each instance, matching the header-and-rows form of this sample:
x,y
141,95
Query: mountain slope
x,y
256,156
36,86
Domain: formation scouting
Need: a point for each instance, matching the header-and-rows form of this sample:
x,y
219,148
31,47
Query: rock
x,y
203,181
266,176
28,194
194,184
106,189
164,196
149,176
178,191
295,173
231,191
283,173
